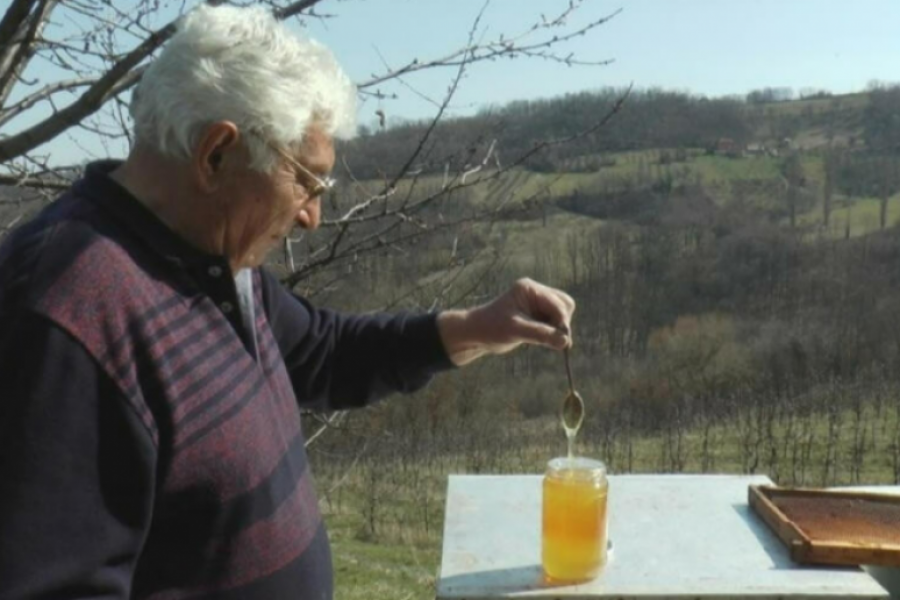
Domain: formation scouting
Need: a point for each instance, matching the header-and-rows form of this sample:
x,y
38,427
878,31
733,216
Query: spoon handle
x,y
568,370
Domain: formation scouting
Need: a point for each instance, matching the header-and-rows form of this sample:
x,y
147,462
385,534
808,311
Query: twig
x,y
331,421
502,47
26,181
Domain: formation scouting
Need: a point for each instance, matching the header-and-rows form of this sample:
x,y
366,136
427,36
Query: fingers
x,y
531,331
529,313
567,334
548,306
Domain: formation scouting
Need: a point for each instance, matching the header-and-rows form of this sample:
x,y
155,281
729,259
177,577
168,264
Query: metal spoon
x,y
573,404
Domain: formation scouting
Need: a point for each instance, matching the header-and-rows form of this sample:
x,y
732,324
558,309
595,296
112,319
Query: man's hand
x,y
529,313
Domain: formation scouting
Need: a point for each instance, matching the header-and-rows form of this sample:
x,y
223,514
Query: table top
x,y
673,536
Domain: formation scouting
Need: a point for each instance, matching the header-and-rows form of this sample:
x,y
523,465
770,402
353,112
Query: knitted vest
x,y
235,503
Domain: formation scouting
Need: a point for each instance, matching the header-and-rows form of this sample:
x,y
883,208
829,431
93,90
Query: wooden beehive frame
x,y
805,550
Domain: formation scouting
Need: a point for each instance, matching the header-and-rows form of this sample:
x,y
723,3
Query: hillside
x,y
737,290
647,120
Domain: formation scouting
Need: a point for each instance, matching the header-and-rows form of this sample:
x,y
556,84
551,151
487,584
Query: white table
x,y
673,536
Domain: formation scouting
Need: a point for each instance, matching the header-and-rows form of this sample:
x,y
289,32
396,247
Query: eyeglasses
x,y
321,184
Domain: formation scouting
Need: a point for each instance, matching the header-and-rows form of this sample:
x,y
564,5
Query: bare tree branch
x,y
620,102
12,223
295,8
34,183
343,228
379,239
15,15
333,421
17,52
501,47
120,77
72,54
394,217
8,114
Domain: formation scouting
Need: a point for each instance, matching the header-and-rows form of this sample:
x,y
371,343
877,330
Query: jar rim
x,y
581,465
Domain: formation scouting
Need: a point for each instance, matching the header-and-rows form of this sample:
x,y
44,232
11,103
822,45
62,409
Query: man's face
x,y
265,207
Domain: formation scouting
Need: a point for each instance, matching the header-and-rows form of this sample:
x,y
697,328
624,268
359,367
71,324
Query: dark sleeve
x,y
339,361
76,470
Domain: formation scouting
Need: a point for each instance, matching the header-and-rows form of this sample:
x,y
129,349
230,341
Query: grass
x,y
863,215
370,569
718,169
859,216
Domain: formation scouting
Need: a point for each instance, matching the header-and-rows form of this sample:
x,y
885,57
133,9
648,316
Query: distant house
x,y
755,150
728,147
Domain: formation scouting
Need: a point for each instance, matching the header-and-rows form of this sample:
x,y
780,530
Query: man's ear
x,y
215,149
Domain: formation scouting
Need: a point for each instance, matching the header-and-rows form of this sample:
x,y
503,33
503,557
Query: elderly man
x,y
152,371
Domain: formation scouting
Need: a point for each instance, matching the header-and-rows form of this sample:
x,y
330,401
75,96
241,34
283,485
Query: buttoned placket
x,y
222,290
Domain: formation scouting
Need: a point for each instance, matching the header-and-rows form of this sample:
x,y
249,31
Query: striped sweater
x,y
150,445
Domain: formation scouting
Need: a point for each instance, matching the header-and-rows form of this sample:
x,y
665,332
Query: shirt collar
x,y
111,197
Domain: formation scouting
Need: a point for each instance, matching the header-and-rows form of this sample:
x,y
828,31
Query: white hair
x,y
241,65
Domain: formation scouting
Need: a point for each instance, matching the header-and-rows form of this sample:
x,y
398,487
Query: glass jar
x,y
574,531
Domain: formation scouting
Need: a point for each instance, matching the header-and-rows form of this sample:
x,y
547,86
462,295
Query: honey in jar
x,y
574,532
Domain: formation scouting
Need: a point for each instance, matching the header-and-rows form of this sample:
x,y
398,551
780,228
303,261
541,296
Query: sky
x,y
708,47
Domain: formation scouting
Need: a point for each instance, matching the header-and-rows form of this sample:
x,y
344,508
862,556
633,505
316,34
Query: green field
x,y
716,172
861,216
854,102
